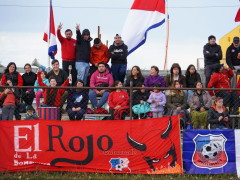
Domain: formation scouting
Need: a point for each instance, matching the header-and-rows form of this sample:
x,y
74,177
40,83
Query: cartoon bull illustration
x,y
162,146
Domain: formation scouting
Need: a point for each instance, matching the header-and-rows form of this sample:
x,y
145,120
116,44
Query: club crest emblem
x,y
210,151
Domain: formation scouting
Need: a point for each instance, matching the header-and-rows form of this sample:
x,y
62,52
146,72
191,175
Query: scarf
x,y
50,99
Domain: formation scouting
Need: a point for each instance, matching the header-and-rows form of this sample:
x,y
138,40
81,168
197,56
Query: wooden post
x,y
131,90
107,43
98,31
100,36
180,141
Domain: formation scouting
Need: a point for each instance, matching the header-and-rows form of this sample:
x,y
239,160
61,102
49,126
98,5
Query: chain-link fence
x,y
197,107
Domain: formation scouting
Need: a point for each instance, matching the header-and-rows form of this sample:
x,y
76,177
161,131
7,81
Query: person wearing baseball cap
x,y
212,55
118,53
233,60
220,79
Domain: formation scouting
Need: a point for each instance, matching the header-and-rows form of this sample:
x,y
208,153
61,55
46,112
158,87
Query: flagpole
x,y
49,6
166,32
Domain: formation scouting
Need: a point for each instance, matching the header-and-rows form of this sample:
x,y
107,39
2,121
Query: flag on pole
x,y
50,34
237,18
143,16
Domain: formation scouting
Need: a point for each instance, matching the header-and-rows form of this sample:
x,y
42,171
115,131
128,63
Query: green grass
x,y
26,175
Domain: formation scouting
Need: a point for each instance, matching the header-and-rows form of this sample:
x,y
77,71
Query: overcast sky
x,y
191,22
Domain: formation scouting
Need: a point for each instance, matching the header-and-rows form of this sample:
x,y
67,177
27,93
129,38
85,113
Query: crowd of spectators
x,y
198,107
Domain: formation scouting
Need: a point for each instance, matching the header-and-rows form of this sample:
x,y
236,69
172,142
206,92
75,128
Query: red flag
x,y
237,18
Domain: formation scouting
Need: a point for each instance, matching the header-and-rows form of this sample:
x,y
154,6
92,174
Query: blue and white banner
x,y
209,151
237,145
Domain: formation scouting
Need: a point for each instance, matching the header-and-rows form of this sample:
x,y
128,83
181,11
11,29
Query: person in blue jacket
x,y
77,101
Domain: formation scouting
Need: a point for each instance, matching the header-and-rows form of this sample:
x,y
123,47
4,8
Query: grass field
x,y
73,175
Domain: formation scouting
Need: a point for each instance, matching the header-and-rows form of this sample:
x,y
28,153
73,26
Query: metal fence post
x,y
131,90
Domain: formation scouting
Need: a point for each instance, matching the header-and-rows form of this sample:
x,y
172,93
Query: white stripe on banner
x,y
237,149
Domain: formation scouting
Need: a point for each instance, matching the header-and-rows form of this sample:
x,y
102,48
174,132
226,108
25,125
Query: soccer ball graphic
x,y
119,167
210,150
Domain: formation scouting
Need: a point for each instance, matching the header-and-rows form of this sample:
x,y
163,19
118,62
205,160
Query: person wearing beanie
x,y
82,53
30,114
175,74
233,60
212,55
118,53
220,79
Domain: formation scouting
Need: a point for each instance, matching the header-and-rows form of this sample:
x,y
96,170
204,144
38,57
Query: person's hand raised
x,y
60,26
77,27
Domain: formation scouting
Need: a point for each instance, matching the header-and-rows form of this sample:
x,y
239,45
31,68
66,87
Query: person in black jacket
x,y
233,60
136,77
191,78
139,97
60,76
218,115
83,53
29,79
212,55
118,53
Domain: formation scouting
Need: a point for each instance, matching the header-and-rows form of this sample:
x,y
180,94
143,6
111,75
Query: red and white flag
x,y
50,34
143,16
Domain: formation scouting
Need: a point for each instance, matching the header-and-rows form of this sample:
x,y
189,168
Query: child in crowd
x,y
9,97
38,91
157,100
52,97
30,114
118,101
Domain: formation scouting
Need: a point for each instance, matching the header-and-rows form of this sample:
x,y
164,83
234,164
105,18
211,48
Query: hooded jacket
x,y
120,53
231,56
213,116
169,78
98,55
220,80
98,78
211,58
83,47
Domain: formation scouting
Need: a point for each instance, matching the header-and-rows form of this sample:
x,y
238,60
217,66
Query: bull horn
x,y
135,144
168,130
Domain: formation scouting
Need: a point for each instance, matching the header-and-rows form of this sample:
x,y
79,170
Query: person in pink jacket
x,y
100,78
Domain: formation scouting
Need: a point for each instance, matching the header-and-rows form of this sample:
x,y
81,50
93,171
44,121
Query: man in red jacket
x,y
68,52
220,79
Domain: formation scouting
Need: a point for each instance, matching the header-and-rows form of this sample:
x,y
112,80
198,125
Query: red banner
x,y
148,146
